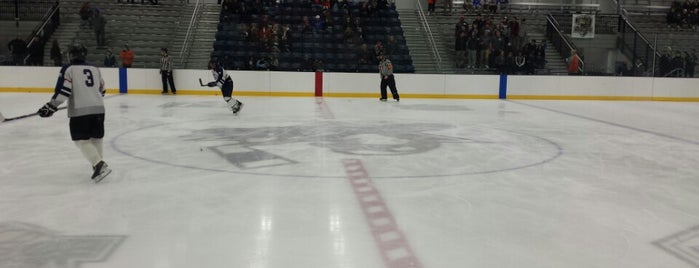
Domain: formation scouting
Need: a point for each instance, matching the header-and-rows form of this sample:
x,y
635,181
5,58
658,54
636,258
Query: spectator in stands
x,y
460,47
36,52
500,62
573,63
378,51
467,6
127,56
109,58
306,27
348,35
359,35
56,54
486,49
391,46
285,39
18,48
262,63
487,5
690,62
430,6
510,62
474,42
266,38
327,21
460,26
85,13
99,23
364,56
475,6
498,41
448,6
254,33
520,63
502,4
245,32
318,65
307,64
622,69
368,8
513,24
318,25
677,62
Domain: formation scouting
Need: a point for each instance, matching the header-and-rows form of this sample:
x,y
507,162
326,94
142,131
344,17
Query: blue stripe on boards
x,y
503,86
123,86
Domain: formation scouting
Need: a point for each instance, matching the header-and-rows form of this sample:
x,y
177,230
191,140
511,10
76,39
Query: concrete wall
x,y
263,83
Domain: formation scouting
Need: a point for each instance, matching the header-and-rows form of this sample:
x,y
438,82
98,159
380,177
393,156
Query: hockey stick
x,y
22,116
201,83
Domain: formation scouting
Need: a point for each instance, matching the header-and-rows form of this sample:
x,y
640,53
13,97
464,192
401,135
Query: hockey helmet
x,y
213,63
77,52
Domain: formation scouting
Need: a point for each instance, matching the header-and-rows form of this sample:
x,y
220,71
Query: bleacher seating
x,y
327,46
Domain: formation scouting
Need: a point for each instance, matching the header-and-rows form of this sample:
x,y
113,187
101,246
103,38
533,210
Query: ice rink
x,y
354,183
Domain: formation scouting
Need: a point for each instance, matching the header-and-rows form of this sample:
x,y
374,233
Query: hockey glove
x,y
211,84
47,110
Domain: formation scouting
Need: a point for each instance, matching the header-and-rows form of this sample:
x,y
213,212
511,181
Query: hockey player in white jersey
x,y
83,87
225,83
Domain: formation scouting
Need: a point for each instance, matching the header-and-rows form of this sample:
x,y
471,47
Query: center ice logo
x,y
316,148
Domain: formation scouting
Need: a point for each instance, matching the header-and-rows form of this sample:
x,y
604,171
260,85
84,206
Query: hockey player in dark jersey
x,y
83,87
225,83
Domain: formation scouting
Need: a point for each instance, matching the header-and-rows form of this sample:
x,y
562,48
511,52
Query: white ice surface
x,y
470,183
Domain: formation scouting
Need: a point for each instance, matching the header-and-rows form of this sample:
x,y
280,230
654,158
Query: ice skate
x,y
237,107
100,171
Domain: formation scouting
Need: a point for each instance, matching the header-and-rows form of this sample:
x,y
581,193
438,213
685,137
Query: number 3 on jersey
x,y
90,79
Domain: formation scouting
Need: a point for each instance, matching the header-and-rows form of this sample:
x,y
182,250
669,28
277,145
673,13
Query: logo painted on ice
x,y
25,245
683,245
376,140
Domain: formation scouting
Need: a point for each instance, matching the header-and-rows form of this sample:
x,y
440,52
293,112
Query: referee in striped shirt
x,y
166,71
387,79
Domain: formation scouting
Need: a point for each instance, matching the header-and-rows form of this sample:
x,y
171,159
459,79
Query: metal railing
x,y
632,43
41,34
560,41
430,36
187,42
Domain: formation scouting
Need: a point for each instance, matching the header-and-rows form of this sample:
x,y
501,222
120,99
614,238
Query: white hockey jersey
x,y
83,87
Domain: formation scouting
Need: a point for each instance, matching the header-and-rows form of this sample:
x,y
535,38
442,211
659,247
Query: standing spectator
x,y
448,6
285,39
36,52
166,72
109,59
460,26
387,78
378,51
391,46
474,42
574,63
460,47
126,56
690,62
85,15
98,24
56,54
83,87
520,63
430,6
18,47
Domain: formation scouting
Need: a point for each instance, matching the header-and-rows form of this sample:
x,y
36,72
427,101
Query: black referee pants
x,y
167,79
389,82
